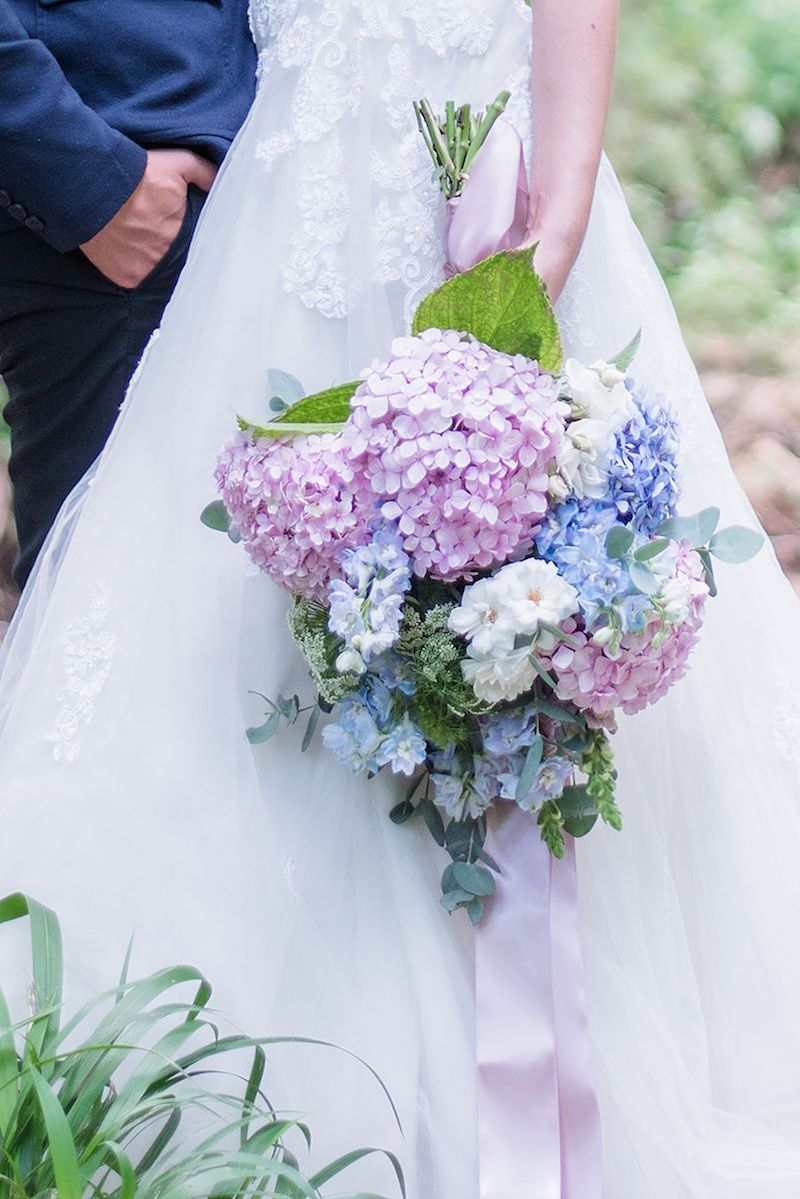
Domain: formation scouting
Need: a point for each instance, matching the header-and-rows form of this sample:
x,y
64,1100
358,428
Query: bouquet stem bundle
x,y
455,139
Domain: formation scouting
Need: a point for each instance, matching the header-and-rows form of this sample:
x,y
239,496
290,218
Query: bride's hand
x,y
554,257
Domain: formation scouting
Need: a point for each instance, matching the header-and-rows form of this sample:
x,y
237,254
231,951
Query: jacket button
x,y
5,199
18,212
34,224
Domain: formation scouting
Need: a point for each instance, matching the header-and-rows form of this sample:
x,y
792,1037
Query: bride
x,y
130,798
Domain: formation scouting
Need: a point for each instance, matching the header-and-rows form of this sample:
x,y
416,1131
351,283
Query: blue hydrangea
x,y
574,538
643,468
366,606
507,732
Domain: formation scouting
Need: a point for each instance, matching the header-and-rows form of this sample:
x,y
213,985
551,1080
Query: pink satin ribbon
x,y
492,212
539,1124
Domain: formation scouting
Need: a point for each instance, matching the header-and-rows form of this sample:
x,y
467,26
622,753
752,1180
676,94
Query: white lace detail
x,y
314,62
315,271
88,657
786,720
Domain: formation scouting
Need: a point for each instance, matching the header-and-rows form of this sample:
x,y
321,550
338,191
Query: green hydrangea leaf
x,y
330,407
503,303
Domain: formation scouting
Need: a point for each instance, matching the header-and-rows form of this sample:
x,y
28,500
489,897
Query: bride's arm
x,y
574,47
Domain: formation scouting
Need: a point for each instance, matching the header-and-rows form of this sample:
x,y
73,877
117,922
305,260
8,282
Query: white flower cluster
x,y
502,617
601,405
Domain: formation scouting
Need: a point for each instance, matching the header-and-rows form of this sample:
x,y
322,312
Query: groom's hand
x,y
134,241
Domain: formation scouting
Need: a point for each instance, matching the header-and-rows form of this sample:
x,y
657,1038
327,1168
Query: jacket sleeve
x,y
64,172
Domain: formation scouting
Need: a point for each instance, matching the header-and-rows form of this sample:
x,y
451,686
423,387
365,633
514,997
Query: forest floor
x,y
759,414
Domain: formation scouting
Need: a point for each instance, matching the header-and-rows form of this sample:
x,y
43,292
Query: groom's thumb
x,y
197,170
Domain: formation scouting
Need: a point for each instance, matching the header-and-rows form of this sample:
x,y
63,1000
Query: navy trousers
x,y
69,342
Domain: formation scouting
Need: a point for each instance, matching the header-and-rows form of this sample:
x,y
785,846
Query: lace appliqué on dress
x,y
786,721
88,657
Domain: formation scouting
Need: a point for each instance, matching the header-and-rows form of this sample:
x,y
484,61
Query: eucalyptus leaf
x,y
580,826
456,899
651,549
402,812
543,672
503,303
680,528
215,516
619,540
643,578
708,568
576,801
263,732
533,760
736,544
311,728
286,387
707,521
625,357
433,819
476,910
477,880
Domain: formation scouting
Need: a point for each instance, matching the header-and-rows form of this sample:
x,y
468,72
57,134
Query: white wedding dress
x,y
131,800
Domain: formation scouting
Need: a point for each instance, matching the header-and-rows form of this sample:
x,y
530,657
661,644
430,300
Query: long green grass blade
x,y
9,1069
64,1156
349,1159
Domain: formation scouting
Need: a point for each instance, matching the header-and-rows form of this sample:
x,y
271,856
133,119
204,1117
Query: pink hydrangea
x,y
456,441
297,504
646,666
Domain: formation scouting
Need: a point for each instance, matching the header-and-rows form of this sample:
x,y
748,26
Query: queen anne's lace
x,y
88,657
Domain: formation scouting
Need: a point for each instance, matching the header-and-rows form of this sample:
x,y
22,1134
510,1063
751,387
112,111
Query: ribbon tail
x,y
492,211
539,1126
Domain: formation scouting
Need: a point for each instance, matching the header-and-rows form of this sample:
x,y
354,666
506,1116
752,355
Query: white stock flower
x,y
675,596
534,593
350,662
502,678
600,393
582,458
481,619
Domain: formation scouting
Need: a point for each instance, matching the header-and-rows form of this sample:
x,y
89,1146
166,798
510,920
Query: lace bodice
x,y
337,79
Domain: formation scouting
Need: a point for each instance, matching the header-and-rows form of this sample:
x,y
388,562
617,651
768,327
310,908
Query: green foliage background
x,y
705,134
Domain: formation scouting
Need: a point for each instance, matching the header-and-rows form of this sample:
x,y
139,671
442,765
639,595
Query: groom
x,y
114,115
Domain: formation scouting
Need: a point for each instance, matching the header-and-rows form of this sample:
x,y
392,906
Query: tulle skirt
x,y
132,803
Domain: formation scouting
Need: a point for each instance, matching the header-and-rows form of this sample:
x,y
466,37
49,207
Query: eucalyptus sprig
x,y
454,140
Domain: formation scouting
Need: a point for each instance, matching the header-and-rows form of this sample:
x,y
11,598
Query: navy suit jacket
x,y
87,85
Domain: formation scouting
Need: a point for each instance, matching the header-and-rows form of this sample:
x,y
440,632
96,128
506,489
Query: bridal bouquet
x,y
486,564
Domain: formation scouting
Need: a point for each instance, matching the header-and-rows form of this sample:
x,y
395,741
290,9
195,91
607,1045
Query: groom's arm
x,y
63,171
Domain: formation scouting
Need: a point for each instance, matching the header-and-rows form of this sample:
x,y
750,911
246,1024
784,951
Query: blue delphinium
x,y
643,467
403,748
574,538
355,738
366,607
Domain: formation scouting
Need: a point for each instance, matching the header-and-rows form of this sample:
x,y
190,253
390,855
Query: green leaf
x,y
477,880
562,715
543,672
736,544
433,819
278,429
331,406
533,760
311,728
503,303
283,386
619,540
680,528
476,910
402,812
257,736
66,1169
708,568
651,549
215,516
456,899
579,826
707,521
625,357
643,578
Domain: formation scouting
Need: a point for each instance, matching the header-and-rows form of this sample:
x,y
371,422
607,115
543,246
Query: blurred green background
x,y
705,134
